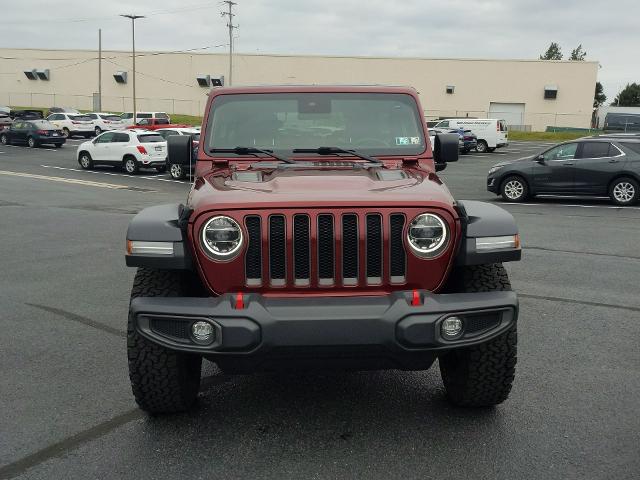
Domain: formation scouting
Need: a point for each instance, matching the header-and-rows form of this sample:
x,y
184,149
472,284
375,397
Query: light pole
x,y
133,34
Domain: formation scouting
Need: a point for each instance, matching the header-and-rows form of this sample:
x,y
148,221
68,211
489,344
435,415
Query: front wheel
x,y
85,161
624,191
66,133
4,140
97,131
482,375
162,380
514,189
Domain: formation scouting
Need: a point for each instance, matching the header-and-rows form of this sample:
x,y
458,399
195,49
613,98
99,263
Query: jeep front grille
x,y
323,250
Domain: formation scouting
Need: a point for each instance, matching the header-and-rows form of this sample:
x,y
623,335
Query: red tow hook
x,y
239,301
416,301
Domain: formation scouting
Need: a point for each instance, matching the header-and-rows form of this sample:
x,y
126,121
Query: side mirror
x,y
540,159
445,150
180,149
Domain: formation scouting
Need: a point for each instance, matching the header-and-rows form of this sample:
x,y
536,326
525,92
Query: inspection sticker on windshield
x,y
407,140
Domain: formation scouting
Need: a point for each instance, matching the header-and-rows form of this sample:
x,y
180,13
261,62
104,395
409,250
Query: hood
x,y
517,160
318,187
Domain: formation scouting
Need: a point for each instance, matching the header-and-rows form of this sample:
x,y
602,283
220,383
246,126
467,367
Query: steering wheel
x,y
370,142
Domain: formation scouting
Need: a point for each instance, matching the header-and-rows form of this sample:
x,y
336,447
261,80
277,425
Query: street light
x,y
133,32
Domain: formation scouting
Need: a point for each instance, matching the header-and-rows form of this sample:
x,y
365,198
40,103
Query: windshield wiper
x,y
334,150
250,151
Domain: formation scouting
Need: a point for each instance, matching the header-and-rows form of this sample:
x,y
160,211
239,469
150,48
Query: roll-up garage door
x,y
512,113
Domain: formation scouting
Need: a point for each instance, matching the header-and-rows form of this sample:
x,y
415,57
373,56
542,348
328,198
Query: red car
x,y
317,234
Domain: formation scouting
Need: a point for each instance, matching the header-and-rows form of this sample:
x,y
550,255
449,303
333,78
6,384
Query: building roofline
x,y
312,55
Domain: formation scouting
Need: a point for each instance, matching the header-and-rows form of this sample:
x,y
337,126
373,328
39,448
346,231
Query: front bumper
x,y
382,326
492,184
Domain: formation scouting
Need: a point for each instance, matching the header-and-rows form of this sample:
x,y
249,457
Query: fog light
x,y
451,327
203,332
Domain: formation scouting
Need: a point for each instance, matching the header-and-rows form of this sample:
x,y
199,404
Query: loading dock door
x,y
512,113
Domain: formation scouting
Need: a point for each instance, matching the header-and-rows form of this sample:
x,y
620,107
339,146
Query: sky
x,y
412,28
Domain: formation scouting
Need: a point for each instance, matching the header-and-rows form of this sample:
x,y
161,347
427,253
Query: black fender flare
x,y
481,220
165,224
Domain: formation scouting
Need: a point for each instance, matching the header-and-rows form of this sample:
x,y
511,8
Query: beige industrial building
x,y
528,94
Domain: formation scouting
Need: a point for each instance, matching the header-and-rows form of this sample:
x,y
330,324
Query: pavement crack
x,y
80,319
579,302
62,447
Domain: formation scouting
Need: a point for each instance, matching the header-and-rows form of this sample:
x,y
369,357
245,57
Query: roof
x,y
316,88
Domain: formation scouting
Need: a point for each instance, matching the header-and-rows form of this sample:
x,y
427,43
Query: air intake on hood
x,y
391,175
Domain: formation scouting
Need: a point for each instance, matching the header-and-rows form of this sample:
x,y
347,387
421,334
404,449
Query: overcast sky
x,y
609,32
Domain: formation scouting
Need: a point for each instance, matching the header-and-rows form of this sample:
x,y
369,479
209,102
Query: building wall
x,y
168,81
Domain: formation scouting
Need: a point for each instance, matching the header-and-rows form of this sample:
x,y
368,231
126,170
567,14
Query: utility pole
x,y
133,36
99,69
231,26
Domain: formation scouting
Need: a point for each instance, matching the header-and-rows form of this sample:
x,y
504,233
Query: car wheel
x,y
31,142
624,191
162,380
4,140
482,375
130,165
514,189
66,133
58,145
176,171
98,131
85,161
482,146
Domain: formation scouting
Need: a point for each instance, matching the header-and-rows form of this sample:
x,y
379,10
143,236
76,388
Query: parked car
x,y
156,123
622,122
491,133
32,133
5,120
104,122
467,141
28,114
179,171
127,117
129,149
592,166
292,252
72,124
63,110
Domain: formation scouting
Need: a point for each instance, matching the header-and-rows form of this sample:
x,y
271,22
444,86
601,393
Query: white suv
x,y
127,117
177,170
72,124
129,149
104,122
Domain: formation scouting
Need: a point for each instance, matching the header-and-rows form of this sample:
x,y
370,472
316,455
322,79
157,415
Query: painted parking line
x,y
571,205
73,181
114,174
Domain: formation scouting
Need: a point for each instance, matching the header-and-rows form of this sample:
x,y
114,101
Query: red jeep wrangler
x,y
317,234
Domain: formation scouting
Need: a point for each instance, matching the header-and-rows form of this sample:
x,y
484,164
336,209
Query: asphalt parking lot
x,y
68,412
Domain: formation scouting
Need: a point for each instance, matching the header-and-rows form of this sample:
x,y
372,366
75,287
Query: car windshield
x,y
43,124
113,118
150,138
80,118
372,123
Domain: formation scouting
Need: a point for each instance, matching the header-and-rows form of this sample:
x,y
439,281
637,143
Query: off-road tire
x,y
162,380
482,375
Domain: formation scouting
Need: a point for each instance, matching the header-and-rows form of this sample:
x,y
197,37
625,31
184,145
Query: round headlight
x,y
427,235
222,237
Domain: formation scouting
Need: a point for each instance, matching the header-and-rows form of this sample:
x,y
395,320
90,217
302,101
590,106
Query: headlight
x,y
221,238
495,169
428,235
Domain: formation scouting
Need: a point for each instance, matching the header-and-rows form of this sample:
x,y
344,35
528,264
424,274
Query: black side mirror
x,y
540,159
445,149
180,149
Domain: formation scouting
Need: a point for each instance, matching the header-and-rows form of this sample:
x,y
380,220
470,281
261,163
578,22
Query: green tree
x,y
599,97
554,52
629,96
578,53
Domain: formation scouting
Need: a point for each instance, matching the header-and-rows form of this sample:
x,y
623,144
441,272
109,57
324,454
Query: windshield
x,y
80,118
372,123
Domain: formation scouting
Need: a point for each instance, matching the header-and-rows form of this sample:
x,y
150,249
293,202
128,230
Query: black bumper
x,y
382,326
493,185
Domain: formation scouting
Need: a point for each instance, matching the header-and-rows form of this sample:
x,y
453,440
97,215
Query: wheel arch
x,y
623,174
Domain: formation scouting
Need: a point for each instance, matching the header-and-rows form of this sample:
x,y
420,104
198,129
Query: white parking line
x,y
113,174
74,181
573,206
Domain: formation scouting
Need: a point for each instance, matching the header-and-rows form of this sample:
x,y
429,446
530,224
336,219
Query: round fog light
x,y
202,332
451,327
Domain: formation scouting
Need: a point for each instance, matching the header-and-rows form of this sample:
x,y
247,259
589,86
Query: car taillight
x,y
108,121
141,149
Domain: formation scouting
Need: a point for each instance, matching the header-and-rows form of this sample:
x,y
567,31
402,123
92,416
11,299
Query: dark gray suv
x,y
600,166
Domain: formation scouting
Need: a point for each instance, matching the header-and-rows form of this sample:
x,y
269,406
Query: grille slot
x,y
476,324
397,256
301,250
374,249
176,329
326,258
277,250
253,259
350,249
